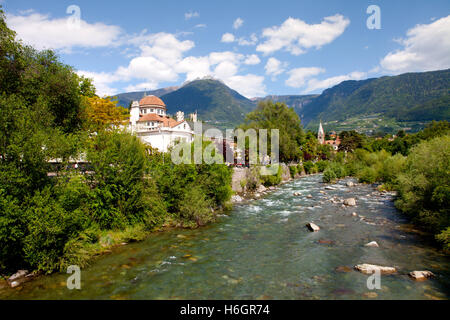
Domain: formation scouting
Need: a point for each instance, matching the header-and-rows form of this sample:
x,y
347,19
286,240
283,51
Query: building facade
x,y
150,122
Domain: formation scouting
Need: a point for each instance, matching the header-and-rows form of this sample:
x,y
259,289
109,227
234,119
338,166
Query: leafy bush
x,y
329,176
368,175
272,180
423,186
49,228
293,171
299,168
321,165
310,167
195,207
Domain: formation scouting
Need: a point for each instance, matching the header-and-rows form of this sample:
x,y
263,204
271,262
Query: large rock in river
x,y
371,268
421,275
350,202
313,227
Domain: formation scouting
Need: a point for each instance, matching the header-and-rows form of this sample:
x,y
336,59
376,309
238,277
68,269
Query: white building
x,y
149,121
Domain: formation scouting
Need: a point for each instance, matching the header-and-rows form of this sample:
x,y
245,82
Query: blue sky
x,y
255,47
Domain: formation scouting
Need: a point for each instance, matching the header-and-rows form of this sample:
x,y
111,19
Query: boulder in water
x,y
19,277
421,275
236,198
313,227
343,269
373,244
261,188
371,268
350,184
350,202
309,196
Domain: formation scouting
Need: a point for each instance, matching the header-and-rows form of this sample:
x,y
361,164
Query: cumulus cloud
x,y
252,59
315,84
238,23
296,36
43,32
102,81
274,67
249,85
298,76
227,37
425,48
191,14
248,42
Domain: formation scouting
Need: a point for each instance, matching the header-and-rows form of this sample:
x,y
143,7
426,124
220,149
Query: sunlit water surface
x,y
262,250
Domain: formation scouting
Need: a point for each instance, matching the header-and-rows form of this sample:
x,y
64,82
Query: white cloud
x,y
315,84
252,59
43,32
296,36
238,23
298,76
274,67
200,25
227,37
251,42
249,85
191,14
141,86
102,81
426,48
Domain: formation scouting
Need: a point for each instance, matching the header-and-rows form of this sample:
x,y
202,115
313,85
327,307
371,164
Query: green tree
x,y
269,115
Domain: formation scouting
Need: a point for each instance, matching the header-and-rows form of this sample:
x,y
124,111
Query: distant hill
x,y
416,97
298,102
124,99
213,100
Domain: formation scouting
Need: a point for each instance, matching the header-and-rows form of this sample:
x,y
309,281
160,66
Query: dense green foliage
x,y
269,115
424,185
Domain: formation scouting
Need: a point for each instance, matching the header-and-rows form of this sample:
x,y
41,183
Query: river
x,y
262,250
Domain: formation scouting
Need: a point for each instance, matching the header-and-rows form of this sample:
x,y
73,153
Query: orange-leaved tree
x,y
102,113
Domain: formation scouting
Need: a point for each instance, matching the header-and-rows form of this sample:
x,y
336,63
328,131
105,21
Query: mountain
x,y
409,97
124,99
214,101
298,102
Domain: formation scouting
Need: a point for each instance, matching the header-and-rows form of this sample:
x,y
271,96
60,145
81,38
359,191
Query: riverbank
x,y
263,250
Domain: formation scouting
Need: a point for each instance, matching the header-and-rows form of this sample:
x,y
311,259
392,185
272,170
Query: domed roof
x,y
151,100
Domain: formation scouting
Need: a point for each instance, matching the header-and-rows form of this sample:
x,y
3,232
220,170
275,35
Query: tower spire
x,y
321,134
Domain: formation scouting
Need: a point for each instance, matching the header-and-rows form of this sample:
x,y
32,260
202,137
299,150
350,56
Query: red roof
x,y
165,120
151,100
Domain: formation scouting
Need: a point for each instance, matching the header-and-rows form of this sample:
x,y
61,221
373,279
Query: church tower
x,y
321,134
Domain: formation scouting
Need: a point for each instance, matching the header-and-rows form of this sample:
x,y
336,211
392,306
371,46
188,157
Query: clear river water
x,y
262,250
